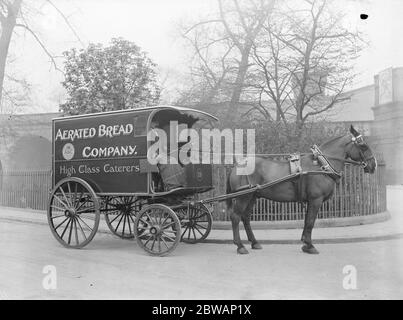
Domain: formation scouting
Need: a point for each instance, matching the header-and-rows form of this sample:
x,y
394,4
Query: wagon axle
x,y
70,212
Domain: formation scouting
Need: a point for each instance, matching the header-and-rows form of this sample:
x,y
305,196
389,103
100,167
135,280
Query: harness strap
x,y
326,165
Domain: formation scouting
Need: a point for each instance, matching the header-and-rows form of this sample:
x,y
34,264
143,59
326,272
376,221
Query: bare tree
x,y
303,62
222,45
12,16
9,11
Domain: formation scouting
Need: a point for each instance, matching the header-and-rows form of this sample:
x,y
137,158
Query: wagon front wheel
x,y
158,229
196,222
73,213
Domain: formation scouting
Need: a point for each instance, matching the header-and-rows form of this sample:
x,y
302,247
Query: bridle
x,y
360,143
357,141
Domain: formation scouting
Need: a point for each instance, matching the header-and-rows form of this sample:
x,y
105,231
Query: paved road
x,y
110,268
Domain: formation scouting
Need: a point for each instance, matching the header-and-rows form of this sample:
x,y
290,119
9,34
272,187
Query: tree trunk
x,y
239,82
7,26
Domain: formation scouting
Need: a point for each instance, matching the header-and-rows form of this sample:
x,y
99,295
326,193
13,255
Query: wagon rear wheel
x,y
73,213
158,229
196,221
120,213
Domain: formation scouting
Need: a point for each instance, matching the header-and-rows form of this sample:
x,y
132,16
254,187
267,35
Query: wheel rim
x,y
120,213
196,222
73,213
157,229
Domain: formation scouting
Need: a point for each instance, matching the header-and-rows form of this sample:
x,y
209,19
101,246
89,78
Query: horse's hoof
x,y
242,250
309,249
256,245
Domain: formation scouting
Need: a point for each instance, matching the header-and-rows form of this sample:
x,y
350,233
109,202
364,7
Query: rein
x,y
357,163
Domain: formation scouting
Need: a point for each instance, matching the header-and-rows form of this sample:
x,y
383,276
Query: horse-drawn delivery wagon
x,y
101,164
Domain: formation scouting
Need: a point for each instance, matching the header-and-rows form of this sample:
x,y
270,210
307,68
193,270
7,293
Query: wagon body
x,y
100,166
109,151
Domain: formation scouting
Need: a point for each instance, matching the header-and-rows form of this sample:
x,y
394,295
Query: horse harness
x,y
319,158
326,167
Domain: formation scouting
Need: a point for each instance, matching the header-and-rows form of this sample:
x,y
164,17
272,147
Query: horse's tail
x,y
228,191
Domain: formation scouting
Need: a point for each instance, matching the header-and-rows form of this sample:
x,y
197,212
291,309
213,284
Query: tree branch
x,y
41,45
66,21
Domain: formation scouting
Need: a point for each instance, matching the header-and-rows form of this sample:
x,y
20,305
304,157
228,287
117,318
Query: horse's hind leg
x,y
235,219
246,222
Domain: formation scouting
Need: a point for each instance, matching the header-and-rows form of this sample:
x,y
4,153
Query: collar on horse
x,y
325,164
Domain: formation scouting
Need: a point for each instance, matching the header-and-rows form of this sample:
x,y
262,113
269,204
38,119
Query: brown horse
x,y
313,189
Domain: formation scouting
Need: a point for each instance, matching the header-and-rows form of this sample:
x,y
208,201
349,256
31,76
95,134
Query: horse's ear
x,y
353,131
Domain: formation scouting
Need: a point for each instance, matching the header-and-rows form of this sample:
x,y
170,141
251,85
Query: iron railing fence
x,y
25,189
357,194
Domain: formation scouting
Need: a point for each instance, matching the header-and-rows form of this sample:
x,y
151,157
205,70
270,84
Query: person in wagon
x,y
172,174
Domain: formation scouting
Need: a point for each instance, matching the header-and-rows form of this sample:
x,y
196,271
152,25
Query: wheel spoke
x,y
163,241
84,223
65,197
128,222
62,223
77,204
76,231
170,231
166,218
124,225
184,232
148,240
152,246
189,233
70,193
119,223
71,230
61,215
199,225
86,210
65,228
131,217
197,229
115,218
82,203
144,222
81,228
57,207
168,237
61,201
168,225
75,193
150,219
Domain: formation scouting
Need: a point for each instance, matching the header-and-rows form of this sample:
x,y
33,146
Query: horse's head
x,y
359,150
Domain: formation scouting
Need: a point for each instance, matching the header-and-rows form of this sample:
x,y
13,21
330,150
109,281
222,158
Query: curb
x,y
299,224
317,241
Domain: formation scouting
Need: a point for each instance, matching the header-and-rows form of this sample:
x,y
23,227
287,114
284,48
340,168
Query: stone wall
x,y
387,127
25,141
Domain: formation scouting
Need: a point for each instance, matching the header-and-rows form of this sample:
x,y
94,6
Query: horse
x,y
312,189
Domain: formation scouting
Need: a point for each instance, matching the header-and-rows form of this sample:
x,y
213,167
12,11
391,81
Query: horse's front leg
x,y
310,217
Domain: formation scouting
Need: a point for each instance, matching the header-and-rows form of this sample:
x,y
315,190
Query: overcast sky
x,y
151,25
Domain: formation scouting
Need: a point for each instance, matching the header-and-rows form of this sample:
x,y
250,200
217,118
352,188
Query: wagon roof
x,y
159,107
